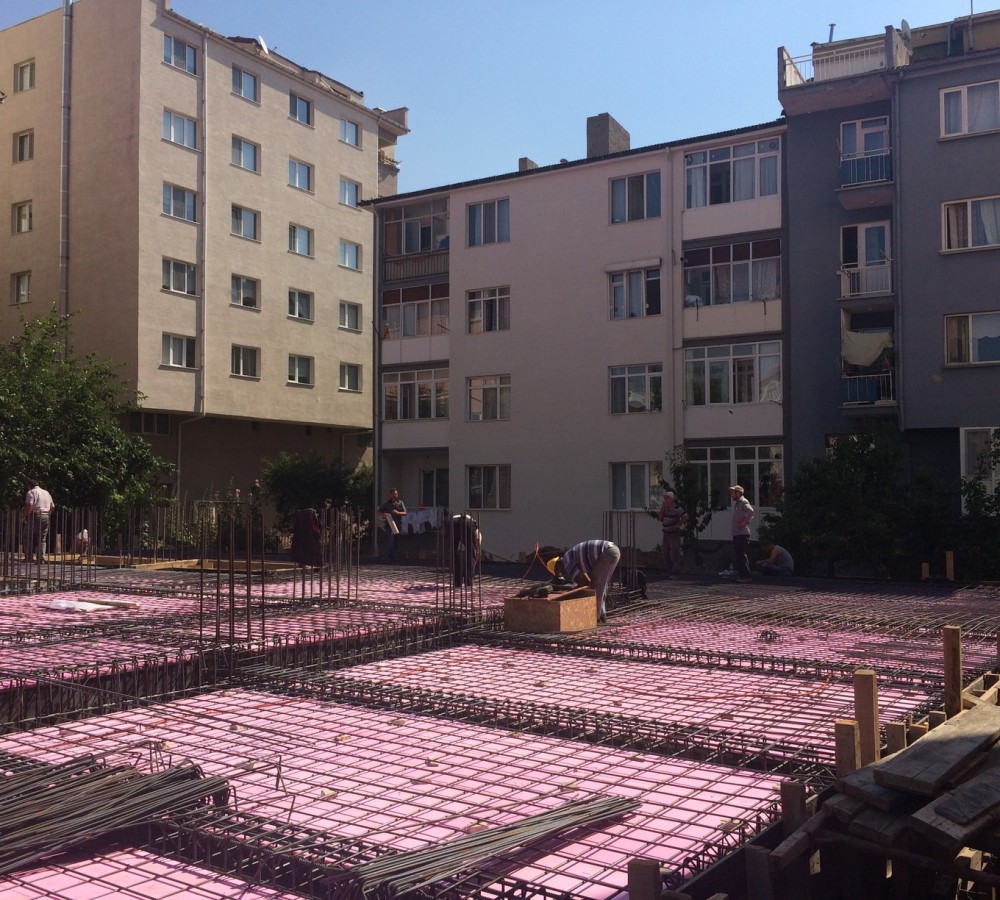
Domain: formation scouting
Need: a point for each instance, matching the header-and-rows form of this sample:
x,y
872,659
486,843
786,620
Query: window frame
x,y
23,149
246,219
622,478
172,348
345,195
239,355
478,388
963,93
989,480
240,77
189,55
651,375
21,84
721,465
420,227
488,222
347,369
407,394
415,311
296,168
20,288
295,377
628,283
142,422
699,164
346,126
237,154
189,202
238,293
345,256
295,232
21,217
297,104
720,367
502,487
344,320
295,303
189,276
703,266
966,228
633,198
966,334
170,120
491,303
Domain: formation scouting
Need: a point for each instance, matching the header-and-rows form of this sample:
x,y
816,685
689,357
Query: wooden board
x,y
861,785
550,615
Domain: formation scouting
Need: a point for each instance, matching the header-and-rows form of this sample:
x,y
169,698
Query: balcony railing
x,y
857,170
861,390
860,280
824,66
415,265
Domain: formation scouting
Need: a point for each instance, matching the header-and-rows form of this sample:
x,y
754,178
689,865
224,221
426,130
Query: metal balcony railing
x,y
860,280
868,389
871,167
415,265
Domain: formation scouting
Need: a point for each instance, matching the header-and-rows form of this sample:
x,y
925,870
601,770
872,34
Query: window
x,y
300,175
488,310
350,133
24,76
20,288
246,85
864,151
636,485
180,129
730,174
24,146
20,218
489,223
758,468
245,223
245,292
977,463
180,55
300,304
434,487
635,293
489,398
149,423
179,203
972,223
179,277
637,389
349,192
732,273
300,109
415,395
350,316
350,255
415,311
300,240
635,197
973,338
300,370
246,154
350,377
244,362
864,259
733,373
489,487
970,109
178,351
415,227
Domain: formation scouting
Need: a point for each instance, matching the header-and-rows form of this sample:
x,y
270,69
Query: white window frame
x,y
240,146
178,351
721,272
180,130
350,377
718,467
487,398
24,75
350,255
417,317
409,396
296,233
21,216
20,288
180,55
244,362
488,222
975,469
245,223
494,486
297,302
415,228
350,133
719,374
177,271
350,316
244,80
300,175
636,485
24,146
300,108
176,197
350,191
488,309
964,228
865,265
631,294
960,347
960,94
244,292
643,381
764,175
635,197
300,370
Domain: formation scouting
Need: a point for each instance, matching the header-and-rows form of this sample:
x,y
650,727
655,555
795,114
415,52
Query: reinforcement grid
x,y
404,782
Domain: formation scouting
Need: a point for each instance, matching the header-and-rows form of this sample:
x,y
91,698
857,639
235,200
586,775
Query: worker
x,y
590,563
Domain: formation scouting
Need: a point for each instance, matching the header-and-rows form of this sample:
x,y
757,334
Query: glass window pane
x,y
986,338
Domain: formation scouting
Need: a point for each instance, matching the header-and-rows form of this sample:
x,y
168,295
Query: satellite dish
x,y
904,28
263,46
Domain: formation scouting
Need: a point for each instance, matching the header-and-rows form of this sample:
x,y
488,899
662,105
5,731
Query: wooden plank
x,y
882,828
760,885
794,807
843,808
847,746
926,767
866,713
895,736
644,879
952,636
936,717
861,785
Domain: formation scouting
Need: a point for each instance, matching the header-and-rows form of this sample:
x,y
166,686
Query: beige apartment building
x,y
549,335
192,201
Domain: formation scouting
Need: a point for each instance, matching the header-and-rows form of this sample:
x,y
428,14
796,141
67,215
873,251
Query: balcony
x,y
866,180
415,265
869,391
863,281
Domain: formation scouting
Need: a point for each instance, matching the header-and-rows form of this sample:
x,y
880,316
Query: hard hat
x,y
551,564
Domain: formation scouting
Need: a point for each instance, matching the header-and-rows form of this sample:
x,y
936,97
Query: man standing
x,y
36,515
672,517
392,511
743,514
591,563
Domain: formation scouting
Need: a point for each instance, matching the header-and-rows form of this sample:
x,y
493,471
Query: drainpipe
x,y
897,225
67,48
376,378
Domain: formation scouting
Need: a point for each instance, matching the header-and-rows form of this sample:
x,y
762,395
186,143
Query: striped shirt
x,y
583,557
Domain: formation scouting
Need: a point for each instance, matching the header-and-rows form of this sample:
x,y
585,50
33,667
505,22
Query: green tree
x,y
61,421
294,482
976,548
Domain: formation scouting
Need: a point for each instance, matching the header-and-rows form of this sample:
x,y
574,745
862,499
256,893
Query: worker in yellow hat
x,y
588,564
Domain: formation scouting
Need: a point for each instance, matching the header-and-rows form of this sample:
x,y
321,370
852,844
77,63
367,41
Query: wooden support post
x,y
847,746
949,564
915,731
925,571
644,879
759,882
895,736
866,713
794,811
936,717
952,670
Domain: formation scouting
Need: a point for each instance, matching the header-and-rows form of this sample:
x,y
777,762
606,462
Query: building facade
x,y
201,224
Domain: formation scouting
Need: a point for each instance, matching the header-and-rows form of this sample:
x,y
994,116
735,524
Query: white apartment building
x,y
200,222
535,330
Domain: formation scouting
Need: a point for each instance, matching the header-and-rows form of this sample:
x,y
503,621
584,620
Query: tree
x,y
687,486
976,549
61,421
294,482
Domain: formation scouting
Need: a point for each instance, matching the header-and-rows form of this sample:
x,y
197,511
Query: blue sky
x,y
488,83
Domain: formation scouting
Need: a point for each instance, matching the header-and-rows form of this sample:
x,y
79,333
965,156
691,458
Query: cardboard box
x,y
548,615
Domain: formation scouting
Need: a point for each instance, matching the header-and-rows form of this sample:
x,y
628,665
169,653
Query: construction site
x,y
235,724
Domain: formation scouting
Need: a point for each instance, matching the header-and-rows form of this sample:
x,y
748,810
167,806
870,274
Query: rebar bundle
x,y
402,873
52,808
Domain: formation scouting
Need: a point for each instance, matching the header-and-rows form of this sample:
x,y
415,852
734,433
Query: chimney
x,y
605,135
524,164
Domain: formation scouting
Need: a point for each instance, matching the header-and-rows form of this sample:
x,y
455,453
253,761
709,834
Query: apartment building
x,y
549,335
894,201
201,223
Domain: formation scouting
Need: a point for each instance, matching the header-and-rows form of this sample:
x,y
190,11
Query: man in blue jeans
x,y
589,564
